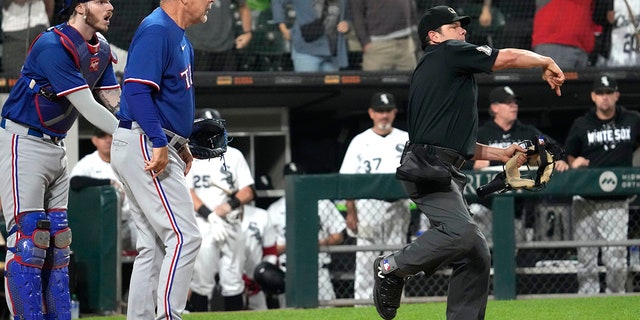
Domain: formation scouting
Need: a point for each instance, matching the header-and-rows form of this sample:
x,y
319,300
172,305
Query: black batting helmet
x,y
269,277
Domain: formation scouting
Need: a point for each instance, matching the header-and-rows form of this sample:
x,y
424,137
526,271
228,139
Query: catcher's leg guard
x,y
28,241
55,273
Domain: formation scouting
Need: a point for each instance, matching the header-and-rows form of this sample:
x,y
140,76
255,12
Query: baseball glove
x,y
540,153
208,138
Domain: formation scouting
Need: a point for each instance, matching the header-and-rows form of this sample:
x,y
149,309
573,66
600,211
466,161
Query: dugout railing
x,y
303,192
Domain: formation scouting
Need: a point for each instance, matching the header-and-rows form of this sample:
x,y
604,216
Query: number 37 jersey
x,y
369,152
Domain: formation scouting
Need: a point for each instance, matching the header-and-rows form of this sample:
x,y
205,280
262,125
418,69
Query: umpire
x,y
442,123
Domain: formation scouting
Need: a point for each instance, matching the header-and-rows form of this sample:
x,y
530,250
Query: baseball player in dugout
x,y
219,189
443,123
151,157
375,150
605,136
65,67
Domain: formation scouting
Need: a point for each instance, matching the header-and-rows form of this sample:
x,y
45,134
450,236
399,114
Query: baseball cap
x,y
382,101
502,94
97,132
435,17
605,83
292,168
66,7
207,113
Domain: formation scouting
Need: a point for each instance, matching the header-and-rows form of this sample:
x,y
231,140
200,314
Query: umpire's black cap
x,y
435,17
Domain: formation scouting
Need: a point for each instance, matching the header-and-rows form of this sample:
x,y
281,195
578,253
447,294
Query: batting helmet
x,y
207,113
269,277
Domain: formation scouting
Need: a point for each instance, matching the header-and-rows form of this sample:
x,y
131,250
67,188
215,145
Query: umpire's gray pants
x,y
453,240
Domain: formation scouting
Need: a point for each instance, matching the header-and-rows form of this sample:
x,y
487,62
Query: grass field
x,y
597,308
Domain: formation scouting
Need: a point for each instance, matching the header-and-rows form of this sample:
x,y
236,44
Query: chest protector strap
x,y
58,114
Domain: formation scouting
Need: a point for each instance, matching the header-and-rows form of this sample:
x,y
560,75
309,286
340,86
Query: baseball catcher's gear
x,y
540,153
208,138
269,277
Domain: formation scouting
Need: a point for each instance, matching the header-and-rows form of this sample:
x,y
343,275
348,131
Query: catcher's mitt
x,y
208,138
540,153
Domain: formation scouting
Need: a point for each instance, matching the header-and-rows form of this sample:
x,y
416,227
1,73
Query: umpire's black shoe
x,y
387,291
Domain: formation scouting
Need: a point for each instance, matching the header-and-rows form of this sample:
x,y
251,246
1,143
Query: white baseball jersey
x,y
369,152
258,234
624,43
212,180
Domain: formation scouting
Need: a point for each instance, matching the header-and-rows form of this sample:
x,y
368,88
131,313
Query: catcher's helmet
x,y
207,113
269,277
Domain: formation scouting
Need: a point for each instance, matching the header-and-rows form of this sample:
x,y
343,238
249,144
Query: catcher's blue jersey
x,y
49,64
160,56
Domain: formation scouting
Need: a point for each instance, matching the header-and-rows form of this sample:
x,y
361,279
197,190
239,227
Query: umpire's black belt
x,y
174,139
24,129
445,154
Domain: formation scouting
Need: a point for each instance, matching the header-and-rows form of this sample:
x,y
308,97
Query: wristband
x,y
204,211
234,202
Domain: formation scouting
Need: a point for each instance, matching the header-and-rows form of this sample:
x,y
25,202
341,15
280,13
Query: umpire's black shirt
x,y
443,95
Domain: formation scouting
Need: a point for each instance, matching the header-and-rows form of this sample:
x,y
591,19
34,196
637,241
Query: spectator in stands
x,y
624,40
260,241
371,221
323,47
330,233
387,31
22,22
94,169
124,25
216,44
565,31
605,136
503,130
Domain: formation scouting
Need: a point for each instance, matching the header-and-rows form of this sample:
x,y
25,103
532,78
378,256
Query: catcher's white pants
x,y
601,220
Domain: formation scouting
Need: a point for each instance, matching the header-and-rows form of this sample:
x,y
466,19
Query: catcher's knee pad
x,y
29,239
61,239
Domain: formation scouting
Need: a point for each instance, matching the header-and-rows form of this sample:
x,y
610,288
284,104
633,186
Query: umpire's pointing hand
x,y
554,76
158,162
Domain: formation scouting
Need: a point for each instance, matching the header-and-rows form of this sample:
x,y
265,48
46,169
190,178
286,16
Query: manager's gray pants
x,y
453,240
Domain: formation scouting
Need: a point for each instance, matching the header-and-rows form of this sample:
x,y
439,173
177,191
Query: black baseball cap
x,y
435,17
502,94
382,101
97,132
605,83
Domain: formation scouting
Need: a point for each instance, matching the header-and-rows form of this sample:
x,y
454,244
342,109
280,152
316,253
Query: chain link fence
x,y
569,245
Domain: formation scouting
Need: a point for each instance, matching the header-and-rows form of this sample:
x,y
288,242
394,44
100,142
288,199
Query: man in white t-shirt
x,y
94,169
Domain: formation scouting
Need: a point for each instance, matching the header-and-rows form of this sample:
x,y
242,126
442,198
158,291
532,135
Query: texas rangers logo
x,y
94,64
386,265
